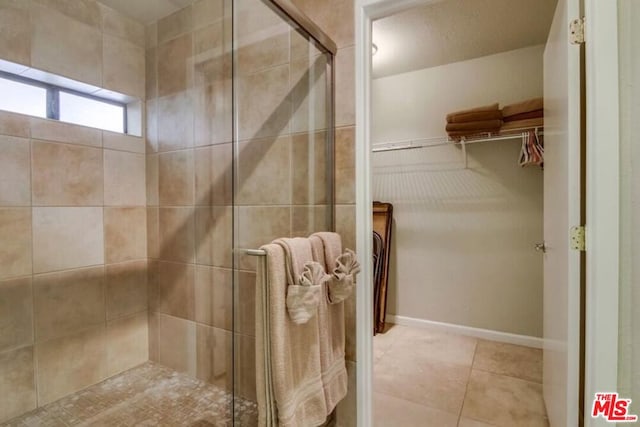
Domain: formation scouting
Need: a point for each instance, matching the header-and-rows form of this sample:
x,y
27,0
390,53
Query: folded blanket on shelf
x,y
523,124
476,116
525,116
451,117
474,126
523,107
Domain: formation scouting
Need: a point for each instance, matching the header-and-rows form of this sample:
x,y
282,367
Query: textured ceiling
x,y
457,30
146,11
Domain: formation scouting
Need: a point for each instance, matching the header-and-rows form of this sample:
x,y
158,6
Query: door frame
x,y
602,199
366,11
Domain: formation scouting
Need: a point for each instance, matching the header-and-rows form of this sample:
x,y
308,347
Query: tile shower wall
x,y
189,175
73,296
189,191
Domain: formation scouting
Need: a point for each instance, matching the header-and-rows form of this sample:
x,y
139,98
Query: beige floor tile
x,y
504,401
392,412
435,384
467,422
433,345
508,359
383,341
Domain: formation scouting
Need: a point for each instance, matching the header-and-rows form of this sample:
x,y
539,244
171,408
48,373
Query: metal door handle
x,y
540,247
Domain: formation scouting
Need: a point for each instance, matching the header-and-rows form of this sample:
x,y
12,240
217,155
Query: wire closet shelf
x,y
410,144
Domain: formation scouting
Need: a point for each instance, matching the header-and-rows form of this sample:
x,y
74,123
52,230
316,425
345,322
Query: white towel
x,y
287,354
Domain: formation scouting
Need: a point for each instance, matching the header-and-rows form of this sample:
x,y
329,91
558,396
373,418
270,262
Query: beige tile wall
x,y
73,219
189,191
188,194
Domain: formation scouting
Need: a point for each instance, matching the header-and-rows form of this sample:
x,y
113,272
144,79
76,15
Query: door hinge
x,y
577,238
576,31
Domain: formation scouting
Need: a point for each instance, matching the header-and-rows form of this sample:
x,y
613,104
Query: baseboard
x,y
486,334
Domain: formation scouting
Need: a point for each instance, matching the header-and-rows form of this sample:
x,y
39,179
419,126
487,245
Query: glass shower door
x,y
282,159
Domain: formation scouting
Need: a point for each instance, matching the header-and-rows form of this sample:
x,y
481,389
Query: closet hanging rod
x,y
439,142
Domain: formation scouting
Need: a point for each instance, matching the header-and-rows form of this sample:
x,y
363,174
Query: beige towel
x,y
523,107
525,116
332,329
523,124
475,116
452,116
342,266
294,369
332,243
344,277
474,126
303,290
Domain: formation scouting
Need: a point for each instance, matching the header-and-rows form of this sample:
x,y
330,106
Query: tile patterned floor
x,y
425,378
149,395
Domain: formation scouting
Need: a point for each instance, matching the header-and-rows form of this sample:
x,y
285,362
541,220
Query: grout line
x,y
466,389
35,349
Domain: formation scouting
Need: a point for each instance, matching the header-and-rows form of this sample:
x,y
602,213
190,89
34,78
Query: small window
x,y
22,95
91,112
23,98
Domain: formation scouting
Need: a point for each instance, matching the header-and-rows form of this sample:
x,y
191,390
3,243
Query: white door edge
x,y
603,205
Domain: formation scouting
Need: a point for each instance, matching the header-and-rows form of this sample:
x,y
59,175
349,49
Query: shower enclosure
x,y
283,152
239,151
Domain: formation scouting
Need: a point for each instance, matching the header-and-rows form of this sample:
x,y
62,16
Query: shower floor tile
x,y
148,395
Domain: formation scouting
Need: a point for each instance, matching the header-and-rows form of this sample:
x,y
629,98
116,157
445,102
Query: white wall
x,y
463,238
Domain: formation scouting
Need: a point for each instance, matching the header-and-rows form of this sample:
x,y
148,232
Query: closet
x,y
467,250
467,216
